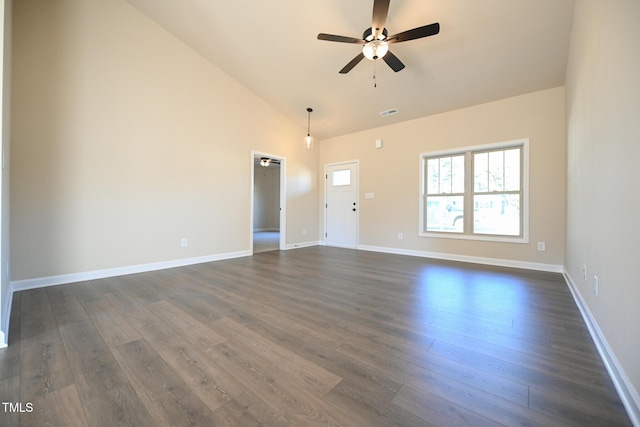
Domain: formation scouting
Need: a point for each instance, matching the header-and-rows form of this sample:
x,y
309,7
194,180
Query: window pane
x,y
433,176
341,177
445,213
457,174
445,175
496,171
480,172
497,214
512,170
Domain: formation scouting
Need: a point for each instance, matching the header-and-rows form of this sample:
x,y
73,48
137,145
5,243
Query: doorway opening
x,y
268,198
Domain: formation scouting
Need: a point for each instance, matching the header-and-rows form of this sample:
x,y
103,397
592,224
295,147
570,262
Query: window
x,y
476,193
341,177
445,194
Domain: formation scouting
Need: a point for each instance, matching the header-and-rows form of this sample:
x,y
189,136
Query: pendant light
x,y
308,140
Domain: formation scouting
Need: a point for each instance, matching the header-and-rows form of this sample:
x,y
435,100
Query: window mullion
x,y
468,193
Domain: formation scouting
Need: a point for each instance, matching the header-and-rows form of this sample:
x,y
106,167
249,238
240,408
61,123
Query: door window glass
x,y
341,177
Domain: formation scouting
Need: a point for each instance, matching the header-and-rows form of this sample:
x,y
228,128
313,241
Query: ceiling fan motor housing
x,y
368,34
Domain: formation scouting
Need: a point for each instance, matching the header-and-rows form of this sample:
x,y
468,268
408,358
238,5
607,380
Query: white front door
x,y
341,209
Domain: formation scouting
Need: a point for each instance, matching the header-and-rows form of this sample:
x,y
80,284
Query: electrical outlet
x,y
595,285
400,236
304,231
584,272
542,246
184,243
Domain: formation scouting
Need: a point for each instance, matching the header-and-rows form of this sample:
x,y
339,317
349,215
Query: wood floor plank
x,y
247,409
35,307
311,376
215,385
299,406
111,325
186,325
105,392
180,292
488,405
85,292
44,366
308,337
438,411
166,396
379,386
10,393
531,353
65,305
58,408
391,361
609,412
366,411
318,332
559,386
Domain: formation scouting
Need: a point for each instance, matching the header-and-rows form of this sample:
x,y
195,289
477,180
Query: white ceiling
x,y
486,50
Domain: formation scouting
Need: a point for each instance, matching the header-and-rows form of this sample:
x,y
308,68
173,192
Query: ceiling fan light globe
x,y
375,49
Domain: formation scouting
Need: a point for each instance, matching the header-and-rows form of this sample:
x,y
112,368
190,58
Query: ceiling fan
x,y
375,40
266,161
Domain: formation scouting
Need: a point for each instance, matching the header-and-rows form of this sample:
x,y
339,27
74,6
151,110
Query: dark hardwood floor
x,y
313,336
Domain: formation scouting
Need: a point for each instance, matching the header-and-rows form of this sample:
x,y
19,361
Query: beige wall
x,y
125,141
393,174
5,99
603,111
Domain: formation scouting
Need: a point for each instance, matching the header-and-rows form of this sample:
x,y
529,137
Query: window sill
x,y
479,237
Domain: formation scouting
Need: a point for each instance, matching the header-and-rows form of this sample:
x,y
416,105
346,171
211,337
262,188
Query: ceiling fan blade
x,y
416,33
380,10
353,63
339,39
393,62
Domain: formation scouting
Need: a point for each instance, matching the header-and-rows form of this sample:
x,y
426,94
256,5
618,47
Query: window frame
x,y
469,192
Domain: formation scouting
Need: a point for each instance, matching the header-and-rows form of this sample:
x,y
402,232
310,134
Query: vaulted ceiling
x,y
486,50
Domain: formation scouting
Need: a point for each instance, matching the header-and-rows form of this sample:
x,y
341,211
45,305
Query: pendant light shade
x,y
308,140
375,49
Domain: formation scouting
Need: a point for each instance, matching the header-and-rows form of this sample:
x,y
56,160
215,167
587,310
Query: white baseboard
x,y
301,245
6,318
23,285
465,258
626,390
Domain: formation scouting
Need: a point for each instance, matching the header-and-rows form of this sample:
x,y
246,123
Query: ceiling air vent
x,y
390,112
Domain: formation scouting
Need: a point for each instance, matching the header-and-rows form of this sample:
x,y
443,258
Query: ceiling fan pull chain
x,y
375,69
